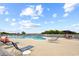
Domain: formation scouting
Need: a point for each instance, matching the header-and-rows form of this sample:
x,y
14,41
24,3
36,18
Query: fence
x,y
74,36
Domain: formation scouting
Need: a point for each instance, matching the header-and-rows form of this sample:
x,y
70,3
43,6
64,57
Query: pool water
x,y
35,37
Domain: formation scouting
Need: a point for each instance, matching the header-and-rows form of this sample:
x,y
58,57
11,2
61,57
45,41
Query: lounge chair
x,y
24,50
52,39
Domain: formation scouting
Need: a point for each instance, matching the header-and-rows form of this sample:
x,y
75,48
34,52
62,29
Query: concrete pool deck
x,y
61,47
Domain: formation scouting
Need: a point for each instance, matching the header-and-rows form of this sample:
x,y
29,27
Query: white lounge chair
x,y
52,39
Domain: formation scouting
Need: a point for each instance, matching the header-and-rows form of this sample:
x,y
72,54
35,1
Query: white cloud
x,y
34,11
13,24
66,14
69,7
39,9
73,27
24,24
48,9
35,17
54,15
6,19
76,25
48,22
2,9
13,20
28,11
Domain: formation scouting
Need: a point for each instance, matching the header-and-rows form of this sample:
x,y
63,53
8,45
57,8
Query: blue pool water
x,y
35,37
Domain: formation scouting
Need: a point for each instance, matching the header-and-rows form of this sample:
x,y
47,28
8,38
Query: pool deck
x,y
61,47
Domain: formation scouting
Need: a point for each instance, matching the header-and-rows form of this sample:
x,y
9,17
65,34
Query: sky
x,y
39,17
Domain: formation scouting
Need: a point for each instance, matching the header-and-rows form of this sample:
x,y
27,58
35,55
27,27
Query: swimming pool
x,y
35,37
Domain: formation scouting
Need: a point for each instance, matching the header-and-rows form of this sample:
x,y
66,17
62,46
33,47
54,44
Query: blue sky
x,y
38,17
